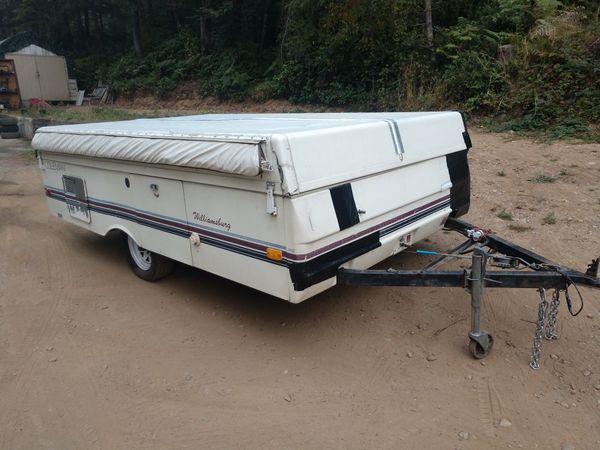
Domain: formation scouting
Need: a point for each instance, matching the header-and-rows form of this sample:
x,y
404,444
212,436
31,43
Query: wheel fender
x,y
125,230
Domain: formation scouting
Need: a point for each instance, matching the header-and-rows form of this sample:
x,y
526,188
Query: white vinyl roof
x,y
233,143
230,126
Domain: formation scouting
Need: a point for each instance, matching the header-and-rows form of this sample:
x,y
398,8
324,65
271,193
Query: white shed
x,y
41,74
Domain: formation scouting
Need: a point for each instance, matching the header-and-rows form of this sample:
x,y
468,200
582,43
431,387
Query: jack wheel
x,y
480,350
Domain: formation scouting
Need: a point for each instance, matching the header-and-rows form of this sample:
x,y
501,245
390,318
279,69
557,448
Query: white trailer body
x,y
277,202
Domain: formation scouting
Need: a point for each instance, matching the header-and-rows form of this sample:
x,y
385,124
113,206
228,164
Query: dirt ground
x,y
93,357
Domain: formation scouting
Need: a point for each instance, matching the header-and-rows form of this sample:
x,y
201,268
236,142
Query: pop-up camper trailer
x,y
278,202
292,204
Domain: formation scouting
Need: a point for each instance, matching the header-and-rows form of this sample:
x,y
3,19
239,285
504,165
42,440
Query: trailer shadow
x,y
339,312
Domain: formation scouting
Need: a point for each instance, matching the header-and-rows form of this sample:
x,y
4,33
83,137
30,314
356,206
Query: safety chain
x,y
539,328
550,332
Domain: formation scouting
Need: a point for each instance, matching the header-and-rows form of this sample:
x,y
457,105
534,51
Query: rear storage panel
x,y
393,209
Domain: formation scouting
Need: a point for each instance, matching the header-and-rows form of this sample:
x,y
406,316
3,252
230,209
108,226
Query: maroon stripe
x,y
189,227
299,257
52,191
222,237
258,247
135,212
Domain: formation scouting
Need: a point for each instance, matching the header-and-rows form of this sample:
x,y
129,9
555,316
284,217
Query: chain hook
x,y
550,331
539,327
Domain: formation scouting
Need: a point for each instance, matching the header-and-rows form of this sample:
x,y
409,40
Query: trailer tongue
x,y
520,268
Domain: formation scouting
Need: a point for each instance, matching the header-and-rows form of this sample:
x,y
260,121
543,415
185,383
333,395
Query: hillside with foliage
x,y
523,64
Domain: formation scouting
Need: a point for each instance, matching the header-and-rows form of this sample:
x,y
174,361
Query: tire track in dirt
x,y
373,384
102,431
36,335
47,326
357,389
490,406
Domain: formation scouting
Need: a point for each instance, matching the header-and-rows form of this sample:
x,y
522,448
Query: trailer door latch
x,y
266,166
271,206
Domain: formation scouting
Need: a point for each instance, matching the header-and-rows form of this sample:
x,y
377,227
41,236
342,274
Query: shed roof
x,y
33,50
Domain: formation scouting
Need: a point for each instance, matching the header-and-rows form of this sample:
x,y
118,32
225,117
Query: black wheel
x,y
8,128
13,135
478,350
7,120
147,265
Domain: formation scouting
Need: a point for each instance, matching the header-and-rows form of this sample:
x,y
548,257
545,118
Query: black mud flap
x,y
460,193
458,167
305,274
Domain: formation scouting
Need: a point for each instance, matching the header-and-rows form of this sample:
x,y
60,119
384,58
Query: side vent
x,y
76,198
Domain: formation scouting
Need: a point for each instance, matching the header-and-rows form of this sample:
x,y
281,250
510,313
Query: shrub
x,y
505,215
221,76
549,219
159,71
543,179
519,228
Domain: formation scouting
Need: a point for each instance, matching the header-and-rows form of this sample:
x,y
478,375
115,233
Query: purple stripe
x,y
129,211
293,257
135,212
241,242
189,227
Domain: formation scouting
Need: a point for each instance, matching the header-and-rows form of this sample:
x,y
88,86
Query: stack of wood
x,y
10,96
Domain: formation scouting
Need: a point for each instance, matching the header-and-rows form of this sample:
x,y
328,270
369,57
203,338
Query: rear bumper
x,y
311,272
362,253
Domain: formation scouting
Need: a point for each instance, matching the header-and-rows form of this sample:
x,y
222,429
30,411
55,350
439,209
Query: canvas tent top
x,y
310,149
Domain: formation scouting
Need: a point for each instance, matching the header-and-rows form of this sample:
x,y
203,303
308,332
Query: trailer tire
x,y
8,128
7,120
10,135
145,264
